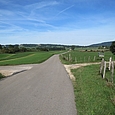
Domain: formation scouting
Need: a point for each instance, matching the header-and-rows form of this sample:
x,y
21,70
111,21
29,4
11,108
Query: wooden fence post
x,y
112,71
66,58
89,59
69,57
101,67
94,58
104,70
110,62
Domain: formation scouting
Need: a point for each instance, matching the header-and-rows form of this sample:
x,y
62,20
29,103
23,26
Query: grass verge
x,y
93,95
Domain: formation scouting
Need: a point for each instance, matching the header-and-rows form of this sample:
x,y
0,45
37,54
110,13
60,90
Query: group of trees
x,y
17,48
11,49
112,47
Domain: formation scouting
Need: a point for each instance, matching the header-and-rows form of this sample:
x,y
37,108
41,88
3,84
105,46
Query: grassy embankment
x,y
93,95
25,58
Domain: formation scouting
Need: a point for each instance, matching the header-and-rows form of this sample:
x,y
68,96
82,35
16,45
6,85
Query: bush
x,y
112,47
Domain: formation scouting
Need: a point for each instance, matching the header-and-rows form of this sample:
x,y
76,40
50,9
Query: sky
x,y
69,22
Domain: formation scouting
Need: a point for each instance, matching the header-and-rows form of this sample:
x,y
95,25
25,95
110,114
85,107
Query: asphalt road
x,y
43,90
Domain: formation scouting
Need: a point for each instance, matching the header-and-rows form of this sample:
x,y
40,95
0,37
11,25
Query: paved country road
x,y
43,90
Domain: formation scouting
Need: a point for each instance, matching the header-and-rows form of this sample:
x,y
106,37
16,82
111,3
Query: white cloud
x,y
65,10
40,5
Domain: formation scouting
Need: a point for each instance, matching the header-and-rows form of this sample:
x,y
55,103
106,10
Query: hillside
x,y
108,44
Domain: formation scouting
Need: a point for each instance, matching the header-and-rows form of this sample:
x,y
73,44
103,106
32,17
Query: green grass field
x,y
84,57
25,58
93,95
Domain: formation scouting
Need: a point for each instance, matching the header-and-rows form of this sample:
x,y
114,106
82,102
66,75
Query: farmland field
x,y
25,58
74,57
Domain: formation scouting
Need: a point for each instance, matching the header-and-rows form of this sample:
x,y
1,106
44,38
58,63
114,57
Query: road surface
x,y
43,90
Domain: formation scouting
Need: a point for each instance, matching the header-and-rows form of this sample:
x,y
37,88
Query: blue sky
x,y
78,22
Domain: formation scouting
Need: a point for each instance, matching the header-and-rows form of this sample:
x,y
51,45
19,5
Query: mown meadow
x,y
25,57
73,57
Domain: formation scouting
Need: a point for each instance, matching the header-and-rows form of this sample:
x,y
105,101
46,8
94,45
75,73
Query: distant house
x,y
101,54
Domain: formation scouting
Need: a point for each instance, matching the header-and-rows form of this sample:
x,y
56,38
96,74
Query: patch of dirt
x,y
11,70
75,66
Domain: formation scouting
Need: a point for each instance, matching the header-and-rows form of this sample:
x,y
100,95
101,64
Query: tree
x,y
23,49
11,49
0,46
16,48
112,47
73,47
5,49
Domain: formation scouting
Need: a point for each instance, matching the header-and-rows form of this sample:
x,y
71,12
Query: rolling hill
x,y
108,44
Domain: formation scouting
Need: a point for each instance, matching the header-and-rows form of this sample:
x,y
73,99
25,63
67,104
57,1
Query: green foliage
x,y
112,47
0,46
73,47
93,95
10,49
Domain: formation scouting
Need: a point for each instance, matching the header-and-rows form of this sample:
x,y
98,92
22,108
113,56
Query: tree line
x,y
42,47
17,48
11,49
